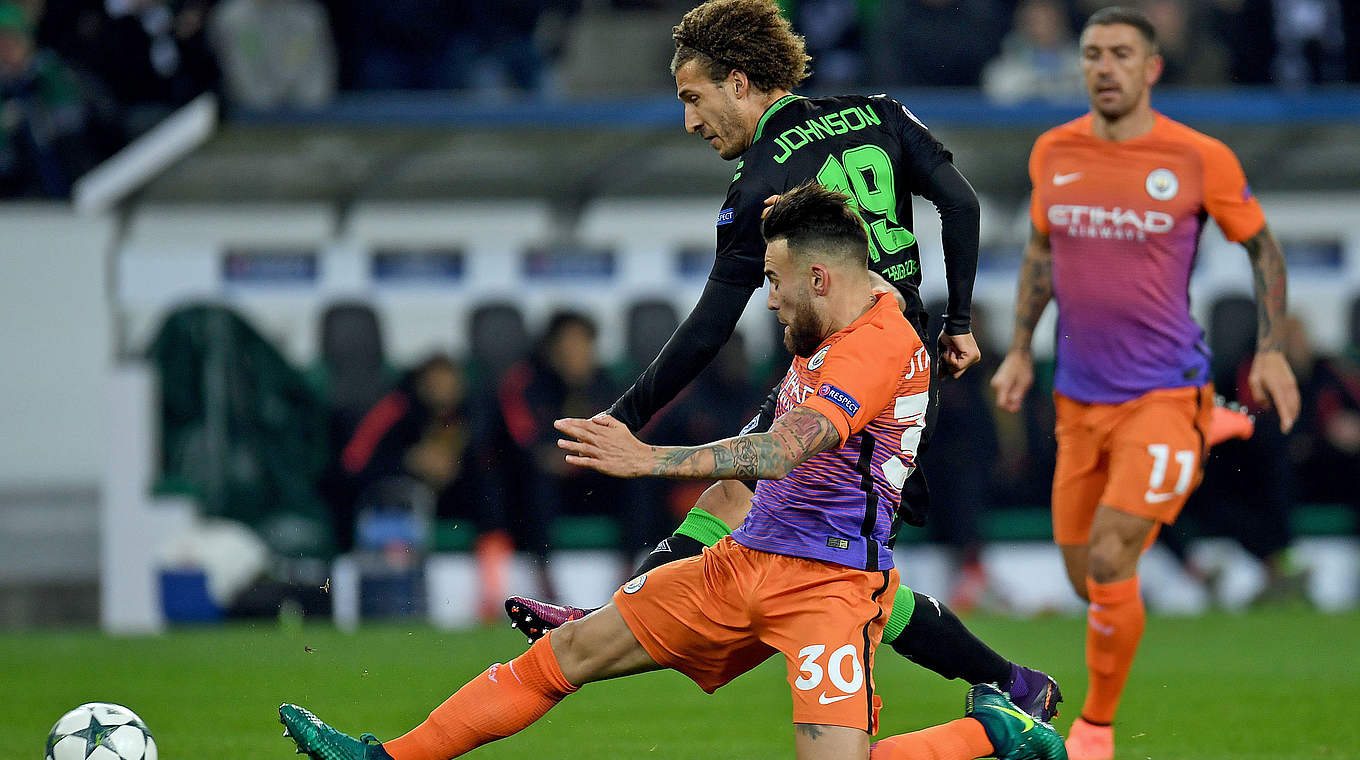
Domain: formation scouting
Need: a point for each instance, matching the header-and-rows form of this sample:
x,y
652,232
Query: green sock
x,y
704,527
903,605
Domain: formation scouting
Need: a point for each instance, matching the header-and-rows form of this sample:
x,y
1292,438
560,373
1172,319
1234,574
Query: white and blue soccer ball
x,y
100,731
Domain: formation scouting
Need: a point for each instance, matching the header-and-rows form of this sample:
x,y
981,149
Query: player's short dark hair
x,y
1121,15
810,218
749,35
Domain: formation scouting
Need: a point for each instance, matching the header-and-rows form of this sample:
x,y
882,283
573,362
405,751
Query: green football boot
x,y
1014,734
318,740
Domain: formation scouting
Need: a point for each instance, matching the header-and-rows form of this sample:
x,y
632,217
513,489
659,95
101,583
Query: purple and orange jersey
x,y
872,380
1124,220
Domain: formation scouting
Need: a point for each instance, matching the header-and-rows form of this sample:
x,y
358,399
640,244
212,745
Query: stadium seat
x,y
497,338
352,360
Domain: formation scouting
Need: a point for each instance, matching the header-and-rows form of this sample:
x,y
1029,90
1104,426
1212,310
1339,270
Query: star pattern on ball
x,y
93,734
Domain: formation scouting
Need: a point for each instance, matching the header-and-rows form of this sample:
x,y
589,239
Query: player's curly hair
x,y
811,217
749,35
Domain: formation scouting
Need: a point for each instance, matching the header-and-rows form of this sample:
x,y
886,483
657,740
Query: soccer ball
x,y
100,731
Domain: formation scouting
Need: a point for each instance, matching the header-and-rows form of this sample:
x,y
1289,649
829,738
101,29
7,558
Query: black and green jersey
x,y
870,148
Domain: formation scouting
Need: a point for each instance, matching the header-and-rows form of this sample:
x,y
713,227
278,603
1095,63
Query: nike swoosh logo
x,y
824,699
1064,179
1028,721
1157,498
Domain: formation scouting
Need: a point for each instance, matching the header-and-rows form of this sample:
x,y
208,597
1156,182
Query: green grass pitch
x,y
1273,685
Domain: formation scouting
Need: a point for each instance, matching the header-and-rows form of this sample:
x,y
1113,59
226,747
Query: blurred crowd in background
x,y
373,454
79,78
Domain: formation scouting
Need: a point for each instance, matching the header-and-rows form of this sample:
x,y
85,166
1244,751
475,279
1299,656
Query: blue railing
x,y
953,108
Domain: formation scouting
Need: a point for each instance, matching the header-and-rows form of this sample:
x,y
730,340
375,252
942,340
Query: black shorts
x,y
915,493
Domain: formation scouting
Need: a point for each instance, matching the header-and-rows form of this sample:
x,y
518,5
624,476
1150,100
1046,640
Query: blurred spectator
x,y
1038,58
484,45
418,430
935,43
1327,438
504,51
400,49
564,378
274,53
1292,43
47,136
832,30
1310,43
152,54
1189,47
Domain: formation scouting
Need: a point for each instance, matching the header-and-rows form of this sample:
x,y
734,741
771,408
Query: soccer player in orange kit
x,y
808,575
1120,198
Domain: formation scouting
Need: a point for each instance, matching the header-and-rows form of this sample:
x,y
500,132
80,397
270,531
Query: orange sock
x,y
502,700
962,739
1114,625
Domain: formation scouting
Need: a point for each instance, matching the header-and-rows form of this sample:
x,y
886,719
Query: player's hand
x,y
1013,380
769,203
606,445
958,353
1272,384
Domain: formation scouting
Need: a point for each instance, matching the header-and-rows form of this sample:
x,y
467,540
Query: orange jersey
x,y
872,380
1124,220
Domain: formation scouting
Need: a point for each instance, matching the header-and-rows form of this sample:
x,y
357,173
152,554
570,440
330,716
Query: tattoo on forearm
x,y
745,457
1269,281
795,436
1036,285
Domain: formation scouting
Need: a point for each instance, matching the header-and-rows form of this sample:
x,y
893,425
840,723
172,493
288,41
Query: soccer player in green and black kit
x,y
735,64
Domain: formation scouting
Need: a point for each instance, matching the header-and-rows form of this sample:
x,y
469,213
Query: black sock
x,y
937,640
669,549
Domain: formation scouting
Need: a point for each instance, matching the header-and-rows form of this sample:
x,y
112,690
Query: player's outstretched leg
x,y
503,700
926,632
318,740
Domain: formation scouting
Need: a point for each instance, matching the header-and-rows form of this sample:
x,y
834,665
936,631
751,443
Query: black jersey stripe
x,y
864,654
866,483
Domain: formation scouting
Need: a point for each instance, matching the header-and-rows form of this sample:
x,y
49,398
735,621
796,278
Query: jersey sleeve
x,y
858,379
741,248
921,152
1227,197
1036,205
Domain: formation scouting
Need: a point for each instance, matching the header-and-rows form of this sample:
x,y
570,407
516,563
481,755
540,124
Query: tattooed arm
x,y
1016,373
1271,379
603,443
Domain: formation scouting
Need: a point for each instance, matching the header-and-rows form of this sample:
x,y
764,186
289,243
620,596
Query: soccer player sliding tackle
x,y
736,63
809,575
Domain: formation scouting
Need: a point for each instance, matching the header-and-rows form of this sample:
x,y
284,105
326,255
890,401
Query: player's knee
x,y
727,500
575,656
1108,562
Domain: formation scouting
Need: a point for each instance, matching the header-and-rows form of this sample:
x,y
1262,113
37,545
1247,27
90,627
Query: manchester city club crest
x,y
818,358
1162,184
632,587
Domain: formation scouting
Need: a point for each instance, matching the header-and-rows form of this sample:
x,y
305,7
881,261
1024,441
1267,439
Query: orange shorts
x,y
1142,457
718,615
